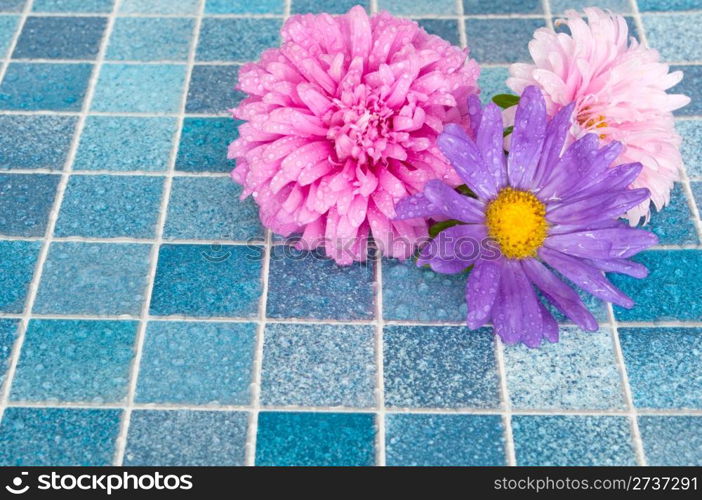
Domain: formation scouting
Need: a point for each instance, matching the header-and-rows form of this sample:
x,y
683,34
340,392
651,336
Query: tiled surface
x,y
158,324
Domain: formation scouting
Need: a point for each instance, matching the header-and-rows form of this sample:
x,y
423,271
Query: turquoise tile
x,y
330,6
673,224
473,7
25,203
44,86
8,26
244,7
204,142
108,206
570,440
617,6
579,372
75,361
664,366
192,438
8,335
184,7
500,40
445,28
691,149
444,440
150,39
12,5
93,278
664,5
58,436
697,194
80,6
318,365
691,85
674,36
439,367
315,439
672,441
207,280
197,363
492,82
60,38
16,271
401,7
211,89
35,141
237,39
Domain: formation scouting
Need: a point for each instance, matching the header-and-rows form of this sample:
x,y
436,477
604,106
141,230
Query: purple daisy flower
x,y
537,210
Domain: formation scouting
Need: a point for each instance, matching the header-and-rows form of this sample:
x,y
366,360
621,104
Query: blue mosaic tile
x,y
8,335
579,372
124,143
16,271
236,39
42,86
106,206
674,48
209,208
672,441
25,203
445,28
8,25
60,38
404,8
691,149
500,40
192,438
439,367
419,294
145,88
665,294
12,5
77,361
664,366
330,6
244,7
80,6
58,436
203,144
569,440
309,285
35,141
618,6
492,82
318,365
315,439
212,90
444,440
691,85
697,194
197,363
150,39
673,224
93,278
183,7
473,7
663,5
207,280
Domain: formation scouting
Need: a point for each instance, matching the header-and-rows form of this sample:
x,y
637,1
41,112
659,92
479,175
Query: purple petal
x,y
481,290
569,170
623,241
621,266
582,244
517,310
608,205
527,138
491,143
466,159
550,329
475,112
584,226
417,205
452,204
443,266
462,242
556,135
614,179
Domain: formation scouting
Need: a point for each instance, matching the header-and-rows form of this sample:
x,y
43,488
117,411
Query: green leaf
x,y
506,100
466,191
436,228
508,131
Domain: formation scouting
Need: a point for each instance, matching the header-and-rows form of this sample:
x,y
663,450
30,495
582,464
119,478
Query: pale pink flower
x,y
341,123
619,87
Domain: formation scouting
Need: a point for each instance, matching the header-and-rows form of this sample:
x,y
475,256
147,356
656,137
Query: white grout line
x,y
548,15
462,36
379,363
13,42
507,410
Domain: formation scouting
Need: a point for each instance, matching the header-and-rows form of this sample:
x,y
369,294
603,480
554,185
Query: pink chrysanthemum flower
x,y
341,123
619,89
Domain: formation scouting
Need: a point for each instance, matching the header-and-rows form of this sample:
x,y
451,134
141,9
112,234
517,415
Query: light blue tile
x,y
81,6
492,82
16,271
674,36
244,7
578,372
25,203
473,7
58,436
150,39
445,28
664,366
147,88
236,39
208,280
8,25
444,440
404,8
330,6
212,90
673,224
192,438
665,294
664,5
309,285
618,6
691,85
75,361
672,441
500,40
315,439
697,194
8,335
12,5
124,143
318,365
197,363
60,38
93,278
439,367
210,208
185,7
44,86
691,149
570,440
203,144
35,141
108,206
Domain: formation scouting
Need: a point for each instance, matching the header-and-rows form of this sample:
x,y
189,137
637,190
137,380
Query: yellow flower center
x,y
516,220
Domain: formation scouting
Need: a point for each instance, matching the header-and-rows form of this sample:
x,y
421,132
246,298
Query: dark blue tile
x,y
209,208
618,6
691,149
79,6
35,141
181,7
315,439
444,440
691,85
665,294
212,90
439,367
236,39
208,280
664,366
76,361
25,203
329,6
58,436
697,194
244,7
672,441
664,5
197,363
309,285
203,144
8,335
402,7
473,7
150,39
8,25
673,224
445,28
570,440
492,82
12,5
60,38
318,365
17,265
674,36
500,40
42,86
93,278
192,438
107,206
124,143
